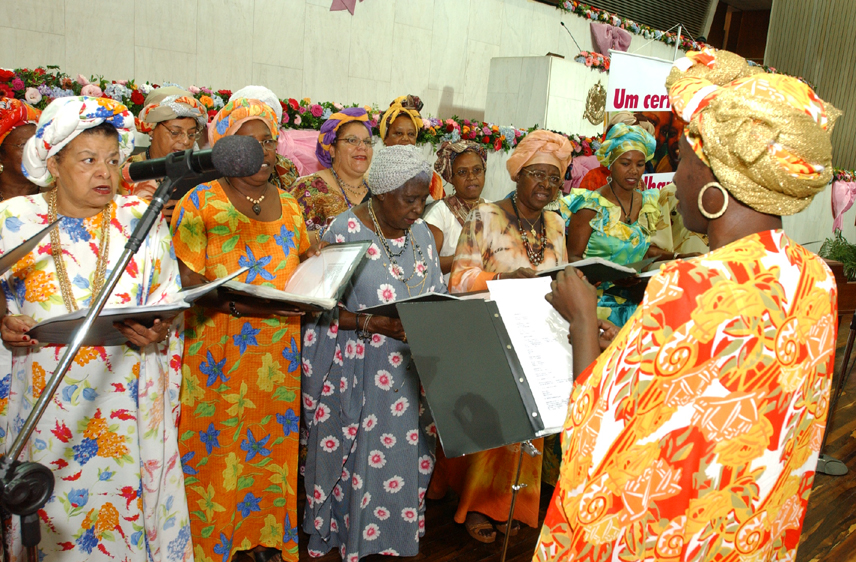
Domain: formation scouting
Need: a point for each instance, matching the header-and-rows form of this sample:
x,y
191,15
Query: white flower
x,y
308,402
388,440
430,249
340,238
377,459
352,557
431,429
396,271
353,225
386,293
347,520
360,350
343,384
309,338
373,253
337,495
330,444
337,357
383,380
345,474
398,407
421,268
307,368
327,389
350,432
421,495
370,422
378,340
394,484
322,414
318,554
398,241
334,528
333,330
356,482
413,436
395,359
318,522
409,514
367,497
426,464
371,532
381,513
318,495
351,349
389,552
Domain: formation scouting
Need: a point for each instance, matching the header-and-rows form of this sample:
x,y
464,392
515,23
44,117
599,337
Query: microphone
x,y
233,156
572,36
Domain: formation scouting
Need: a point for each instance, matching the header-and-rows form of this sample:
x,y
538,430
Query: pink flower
x,y
338,105
122,82
297,120
91,90
285,118
193,90
316,110
373,123
485,131
81,79
32,96
17,84
205,90
302,109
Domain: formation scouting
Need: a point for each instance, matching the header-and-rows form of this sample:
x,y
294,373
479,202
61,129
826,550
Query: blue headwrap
x,y
623,138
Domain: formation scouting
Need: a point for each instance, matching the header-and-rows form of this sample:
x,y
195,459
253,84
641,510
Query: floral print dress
x,y
109,435
695,435
615,241
241,382
371,437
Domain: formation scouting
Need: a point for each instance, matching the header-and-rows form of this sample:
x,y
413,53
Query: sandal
x,y
480,528
515,527
268,555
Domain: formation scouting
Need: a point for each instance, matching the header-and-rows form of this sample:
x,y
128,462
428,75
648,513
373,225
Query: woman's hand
x,y
574,297
313,250
607,332
142,336
389,327
519,273
14,328
168,209
262,308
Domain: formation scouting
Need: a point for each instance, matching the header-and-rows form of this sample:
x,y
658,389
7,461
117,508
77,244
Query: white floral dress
x,y
109,435
371,437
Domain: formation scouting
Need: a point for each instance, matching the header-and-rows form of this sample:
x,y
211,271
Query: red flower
x,y
6,91
497,146
293,103
227,93
62,432
450,128
283,105
40,71
486,140
212,113
587,150
137,98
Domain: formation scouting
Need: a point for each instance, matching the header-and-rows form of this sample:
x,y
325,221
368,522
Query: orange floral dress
x,y
241,382
695,435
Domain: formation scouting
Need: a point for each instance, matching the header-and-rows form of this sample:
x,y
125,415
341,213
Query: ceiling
x,y
749,5
659,14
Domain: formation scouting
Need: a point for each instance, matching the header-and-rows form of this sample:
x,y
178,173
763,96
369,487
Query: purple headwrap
x,y
330,128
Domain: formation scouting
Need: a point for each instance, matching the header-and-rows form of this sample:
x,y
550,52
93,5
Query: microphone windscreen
x,y
238,156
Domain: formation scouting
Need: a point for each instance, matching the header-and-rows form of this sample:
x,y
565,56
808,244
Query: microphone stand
x,y
25,487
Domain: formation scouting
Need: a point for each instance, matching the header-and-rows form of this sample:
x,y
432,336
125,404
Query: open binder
x,y
19,252
479,393
599,270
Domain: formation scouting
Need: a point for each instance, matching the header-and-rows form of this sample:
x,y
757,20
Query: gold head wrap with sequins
x,y
409,106
765,136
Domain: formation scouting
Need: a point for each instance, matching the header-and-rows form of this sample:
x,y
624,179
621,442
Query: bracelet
x,y
675,256
234,309
364,334
497,278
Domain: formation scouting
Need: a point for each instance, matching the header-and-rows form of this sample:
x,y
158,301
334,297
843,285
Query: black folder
x,y
474,384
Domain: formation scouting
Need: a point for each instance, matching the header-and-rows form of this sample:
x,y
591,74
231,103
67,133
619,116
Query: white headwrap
x,y
262,94
62,121
393,166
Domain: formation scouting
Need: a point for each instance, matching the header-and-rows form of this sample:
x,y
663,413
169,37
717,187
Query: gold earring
x,y
701,208
1,168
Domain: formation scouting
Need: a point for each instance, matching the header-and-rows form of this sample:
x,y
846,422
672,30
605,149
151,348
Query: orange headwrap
x,y
237,112
14,113
540,147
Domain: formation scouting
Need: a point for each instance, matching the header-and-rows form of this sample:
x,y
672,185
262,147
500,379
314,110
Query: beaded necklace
x,y
535,258
395,269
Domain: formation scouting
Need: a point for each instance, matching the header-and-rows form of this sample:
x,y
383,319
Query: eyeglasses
x,y
356,142
399,134
463,172
178,135
541,176
269,145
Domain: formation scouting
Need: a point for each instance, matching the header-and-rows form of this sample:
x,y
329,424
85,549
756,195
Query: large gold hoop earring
x,y
701,208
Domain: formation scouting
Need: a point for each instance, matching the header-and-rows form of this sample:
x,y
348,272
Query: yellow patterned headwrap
x,y
765,136
237,112
402,105
623,138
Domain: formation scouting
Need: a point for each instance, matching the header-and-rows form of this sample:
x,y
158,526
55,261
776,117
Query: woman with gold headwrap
x,y
616,221
512,238
109,434
345,150
17,124
242,360
695,435
400,124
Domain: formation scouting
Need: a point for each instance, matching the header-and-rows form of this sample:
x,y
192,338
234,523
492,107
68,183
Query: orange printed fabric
x,y
240,382
695,435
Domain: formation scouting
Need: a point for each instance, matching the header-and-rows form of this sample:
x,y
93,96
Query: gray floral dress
x,y
371,437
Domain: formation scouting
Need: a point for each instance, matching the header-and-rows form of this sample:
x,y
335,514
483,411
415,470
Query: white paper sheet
x,y
540,339
321,276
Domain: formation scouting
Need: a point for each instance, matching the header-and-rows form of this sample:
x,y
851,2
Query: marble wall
x,y
439,50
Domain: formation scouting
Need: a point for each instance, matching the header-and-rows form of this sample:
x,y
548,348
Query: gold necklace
x,y
257,203
59,263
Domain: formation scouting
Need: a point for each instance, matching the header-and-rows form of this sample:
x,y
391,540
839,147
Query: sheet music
x,y
540,338
321,276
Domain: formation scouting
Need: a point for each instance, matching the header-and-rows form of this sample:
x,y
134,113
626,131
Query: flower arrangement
x,y
843,175
593,60
596,14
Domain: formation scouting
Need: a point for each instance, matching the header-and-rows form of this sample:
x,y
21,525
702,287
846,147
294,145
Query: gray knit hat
x,y
393,166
